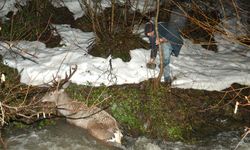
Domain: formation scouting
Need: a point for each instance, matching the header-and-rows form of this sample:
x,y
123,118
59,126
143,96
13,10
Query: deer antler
x,y
59,83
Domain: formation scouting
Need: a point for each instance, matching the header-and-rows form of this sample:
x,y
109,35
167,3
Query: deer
x,y
99,123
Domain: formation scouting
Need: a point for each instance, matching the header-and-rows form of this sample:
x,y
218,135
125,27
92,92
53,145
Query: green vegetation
x,y
19,125
46,122
172,114
140,112
175,132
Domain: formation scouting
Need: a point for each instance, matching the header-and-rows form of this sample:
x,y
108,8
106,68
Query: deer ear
x,y
66,85
61,91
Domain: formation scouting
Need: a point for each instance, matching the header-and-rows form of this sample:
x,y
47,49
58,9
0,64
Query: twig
x,y
18,53
3,4
244,136
3,114
4,145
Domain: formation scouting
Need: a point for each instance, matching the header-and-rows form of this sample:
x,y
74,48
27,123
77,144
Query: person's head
x,y
149,32
149,29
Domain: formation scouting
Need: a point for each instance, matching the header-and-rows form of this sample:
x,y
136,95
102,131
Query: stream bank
x,y
170,114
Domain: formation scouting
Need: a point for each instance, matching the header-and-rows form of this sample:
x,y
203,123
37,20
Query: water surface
x,y
64,136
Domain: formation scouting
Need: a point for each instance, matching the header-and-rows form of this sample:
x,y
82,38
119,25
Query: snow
x,y
7,5
195,67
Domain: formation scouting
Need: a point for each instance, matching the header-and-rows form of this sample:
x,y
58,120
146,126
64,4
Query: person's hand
x,y
157,42
151,64
152,60
160,40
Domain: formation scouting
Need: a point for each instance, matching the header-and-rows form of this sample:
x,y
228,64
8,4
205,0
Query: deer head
x,y
54,96
58,85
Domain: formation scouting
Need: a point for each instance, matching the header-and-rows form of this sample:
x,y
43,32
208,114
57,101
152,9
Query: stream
x,y
64,136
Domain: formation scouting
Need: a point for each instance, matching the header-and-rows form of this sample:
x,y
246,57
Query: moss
x,y
19,125
172,114
75,91
175,132
138,111
125,115
46,122
88,94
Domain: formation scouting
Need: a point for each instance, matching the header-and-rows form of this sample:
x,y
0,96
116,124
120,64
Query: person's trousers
x,y
167,50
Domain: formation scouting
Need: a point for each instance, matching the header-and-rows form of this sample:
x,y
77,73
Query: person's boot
x,y
168,81
151,65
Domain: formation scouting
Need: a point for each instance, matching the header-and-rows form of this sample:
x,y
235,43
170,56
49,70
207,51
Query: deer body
x,y
98,122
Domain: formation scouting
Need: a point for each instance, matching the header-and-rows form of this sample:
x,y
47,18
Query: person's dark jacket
x,y
171,35
171,31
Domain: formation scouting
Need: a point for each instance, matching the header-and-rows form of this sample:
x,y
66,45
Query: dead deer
x,y
99,123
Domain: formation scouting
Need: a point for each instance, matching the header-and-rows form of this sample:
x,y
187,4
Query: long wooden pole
x,y
158,79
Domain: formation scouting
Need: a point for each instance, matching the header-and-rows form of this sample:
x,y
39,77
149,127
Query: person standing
x,y
169,38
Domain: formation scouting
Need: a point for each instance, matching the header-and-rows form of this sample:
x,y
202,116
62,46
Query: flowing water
x,y
63,136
